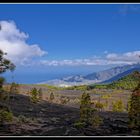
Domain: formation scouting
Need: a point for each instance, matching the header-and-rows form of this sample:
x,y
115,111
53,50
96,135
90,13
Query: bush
x,y
2,80
34,95
99,106
79,124
14,88
118,106
24,119
96,120
5,116
51,96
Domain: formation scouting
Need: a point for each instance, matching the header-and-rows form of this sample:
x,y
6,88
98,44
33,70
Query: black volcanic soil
x,y
49,119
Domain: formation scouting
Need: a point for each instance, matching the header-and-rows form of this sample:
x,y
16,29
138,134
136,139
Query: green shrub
x,y
5,116
99,106
23,119
14,88
51,96
79,124
118,106
34,95
2,80
96,120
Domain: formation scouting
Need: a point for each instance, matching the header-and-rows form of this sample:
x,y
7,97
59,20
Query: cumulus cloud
x,y
13,42
109,59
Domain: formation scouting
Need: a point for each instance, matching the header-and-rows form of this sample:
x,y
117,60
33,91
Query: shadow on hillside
x,y
58,120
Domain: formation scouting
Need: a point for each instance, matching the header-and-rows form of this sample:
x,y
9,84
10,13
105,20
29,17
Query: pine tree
x,y
5,65
51,96
88,115
34,95
85,108
134,111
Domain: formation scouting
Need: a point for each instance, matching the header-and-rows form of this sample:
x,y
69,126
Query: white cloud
x,y
109,59
125,57
13,42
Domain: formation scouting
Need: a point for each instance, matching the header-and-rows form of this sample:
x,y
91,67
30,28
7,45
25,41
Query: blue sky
x,y
69,38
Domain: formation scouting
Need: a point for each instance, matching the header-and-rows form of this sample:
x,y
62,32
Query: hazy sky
x,y
49,40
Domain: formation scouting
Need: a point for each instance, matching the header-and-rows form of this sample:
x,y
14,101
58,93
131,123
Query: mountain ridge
x,y
104,76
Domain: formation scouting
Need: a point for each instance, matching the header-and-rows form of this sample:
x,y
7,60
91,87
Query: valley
x,y
48,110
69,70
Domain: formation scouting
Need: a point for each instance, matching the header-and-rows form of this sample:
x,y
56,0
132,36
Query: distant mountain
x,y
105,76
128,82
110,73
117,77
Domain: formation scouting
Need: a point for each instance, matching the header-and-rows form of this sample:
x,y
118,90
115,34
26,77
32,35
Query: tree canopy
x,y
5,64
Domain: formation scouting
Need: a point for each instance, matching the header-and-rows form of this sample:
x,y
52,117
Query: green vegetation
x,y
88,115
98,86
128,82
79,124
134,111
81,87
2,80
118,106
5,64
34,95
107,96
85,108
14,88
51,96
99,106
23,119
5,116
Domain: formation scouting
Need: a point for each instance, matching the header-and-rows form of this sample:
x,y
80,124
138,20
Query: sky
x,y
48,41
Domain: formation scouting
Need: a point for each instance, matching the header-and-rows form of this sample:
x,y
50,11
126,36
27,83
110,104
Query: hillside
x,y
50,119
127,82
121,75
105,76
